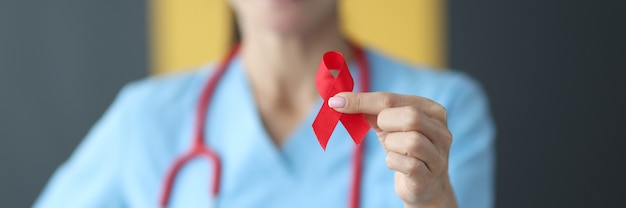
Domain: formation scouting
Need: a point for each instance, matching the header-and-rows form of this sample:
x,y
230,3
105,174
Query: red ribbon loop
x,y
328,86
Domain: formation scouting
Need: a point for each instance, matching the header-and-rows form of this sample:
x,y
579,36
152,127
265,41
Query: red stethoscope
x,y
200,149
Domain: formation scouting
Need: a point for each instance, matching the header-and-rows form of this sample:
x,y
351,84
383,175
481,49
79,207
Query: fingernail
x,y
337,102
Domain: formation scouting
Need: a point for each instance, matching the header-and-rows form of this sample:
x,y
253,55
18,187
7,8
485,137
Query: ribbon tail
x,y
324,124
356,125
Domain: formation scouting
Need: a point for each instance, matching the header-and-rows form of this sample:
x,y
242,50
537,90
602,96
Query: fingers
x,y
410,166
415,145
409,118
374,102
413,129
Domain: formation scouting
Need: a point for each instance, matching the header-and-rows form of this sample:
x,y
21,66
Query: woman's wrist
x,y
443,198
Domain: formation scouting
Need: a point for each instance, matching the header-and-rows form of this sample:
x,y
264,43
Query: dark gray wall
x,y
555,73
61,64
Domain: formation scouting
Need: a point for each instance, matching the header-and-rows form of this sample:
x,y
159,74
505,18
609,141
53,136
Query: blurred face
x,y
285,16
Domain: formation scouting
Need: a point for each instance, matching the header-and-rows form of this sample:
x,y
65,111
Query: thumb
x,y
370,103
349,102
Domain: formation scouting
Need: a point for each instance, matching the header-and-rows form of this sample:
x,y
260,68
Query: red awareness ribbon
x,y
328,86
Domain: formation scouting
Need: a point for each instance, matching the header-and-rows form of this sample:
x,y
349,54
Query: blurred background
x,y
553,71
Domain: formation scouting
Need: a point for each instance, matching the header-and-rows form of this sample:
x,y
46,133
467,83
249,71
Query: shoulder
x,y
441,85
155,110
158,102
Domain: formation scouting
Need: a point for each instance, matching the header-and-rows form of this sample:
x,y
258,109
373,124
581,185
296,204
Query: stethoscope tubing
x,y
200,149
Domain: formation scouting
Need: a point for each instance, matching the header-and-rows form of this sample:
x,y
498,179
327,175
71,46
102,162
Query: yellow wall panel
x,y
187,33
410,29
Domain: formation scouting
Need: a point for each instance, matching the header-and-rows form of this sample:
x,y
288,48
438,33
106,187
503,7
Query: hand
x,y
414,133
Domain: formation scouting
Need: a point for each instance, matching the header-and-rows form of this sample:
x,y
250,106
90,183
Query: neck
x,y
281,70
284,65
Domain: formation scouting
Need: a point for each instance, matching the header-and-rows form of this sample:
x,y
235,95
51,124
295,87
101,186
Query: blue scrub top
x,y
123,160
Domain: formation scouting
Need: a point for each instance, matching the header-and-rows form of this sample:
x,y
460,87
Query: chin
x,y
290,26
292,22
